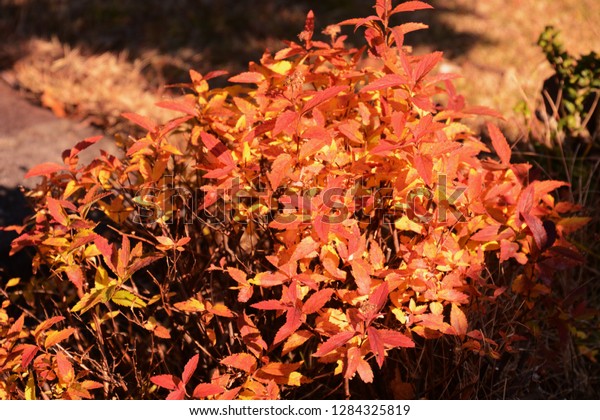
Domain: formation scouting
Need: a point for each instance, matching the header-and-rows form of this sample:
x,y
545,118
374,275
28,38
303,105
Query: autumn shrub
x,y
325,215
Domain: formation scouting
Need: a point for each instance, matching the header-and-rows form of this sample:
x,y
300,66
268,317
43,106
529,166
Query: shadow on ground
x,y
206,34
13,210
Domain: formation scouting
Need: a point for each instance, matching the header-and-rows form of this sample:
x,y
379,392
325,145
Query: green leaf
x,y
125,298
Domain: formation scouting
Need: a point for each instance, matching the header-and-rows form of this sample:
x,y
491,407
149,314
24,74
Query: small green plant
x,y
576,85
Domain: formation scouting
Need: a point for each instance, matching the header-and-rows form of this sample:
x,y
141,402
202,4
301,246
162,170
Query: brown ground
x,y
94,59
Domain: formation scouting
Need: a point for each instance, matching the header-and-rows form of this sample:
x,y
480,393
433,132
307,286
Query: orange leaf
x,y
206,390
376,344
278,170
55,337
242,361
316,301
500,144
44,325
293,320
45,169
191,305
395,339
64,369
295,340
29,352
169,382
143,122
410,6
322,96
161,332
361,275
220,309
247,77
190,368
317,138
458,320
57,211
389,80
16,328
334,342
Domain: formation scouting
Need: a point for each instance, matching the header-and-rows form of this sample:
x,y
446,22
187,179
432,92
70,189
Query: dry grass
x,y
96,88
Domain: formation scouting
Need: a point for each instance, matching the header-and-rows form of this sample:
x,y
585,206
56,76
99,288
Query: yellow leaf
x,y
190,305
13,282
436,308
281,67
125,298
295,379
30,388
101,279
571,224
70,189
404,223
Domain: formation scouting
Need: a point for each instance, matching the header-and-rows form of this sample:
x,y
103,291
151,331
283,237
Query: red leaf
x,y
410,6
537,229
322,96
169,382
44,325
316,301
17,326
189,369
82,145
458,320
187,107
411,27
525,203
487,234
278,170
316,137
247,77
389,80
286,122
305,249
379,296
395,339
426,64
206,390
452,295
334,342
57,211
178,394
424,166
361,276
45,169
29,352
364,371
242,361
143,122
293,321
75,275
218,149
500,144
376,344
269,305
